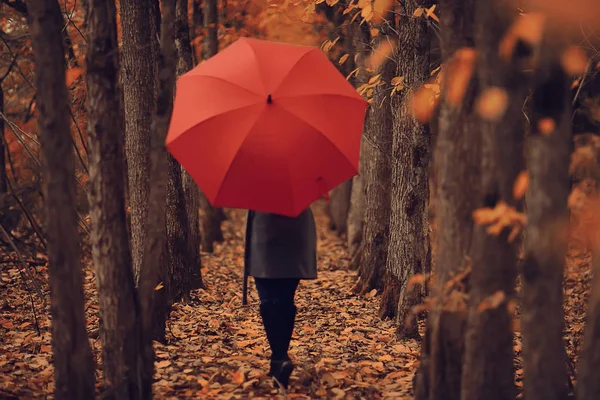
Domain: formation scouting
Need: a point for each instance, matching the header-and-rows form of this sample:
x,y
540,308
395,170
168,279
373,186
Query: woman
x,y
279,252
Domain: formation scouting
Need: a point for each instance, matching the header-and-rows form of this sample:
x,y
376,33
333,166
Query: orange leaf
x,y
492,301
381,53
460,70
574,61
528,28
546,126
239,377
492,103
343,58
380,8
72,74
521,184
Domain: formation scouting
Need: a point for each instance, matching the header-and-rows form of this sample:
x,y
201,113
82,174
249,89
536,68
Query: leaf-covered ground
x,y
217,348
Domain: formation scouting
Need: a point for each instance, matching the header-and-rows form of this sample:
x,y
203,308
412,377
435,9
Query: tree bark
x,y
355,224
440,371
155,245
211,26
117,296
212,217
138,77
408,246
73,362
191,192
588,386
542,316
377,179
488,365
3,149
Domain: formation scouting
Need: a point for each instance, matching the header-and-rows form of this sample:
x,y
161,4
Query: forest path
x,y
342,349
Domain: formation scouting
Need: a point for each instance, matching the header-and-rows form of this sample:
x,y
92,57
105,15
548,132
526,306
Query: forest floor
x,y
217,348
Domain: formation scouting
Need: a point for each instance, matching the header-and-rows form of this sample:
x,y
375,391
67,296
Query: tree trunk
x,y
177,234
488,366
73,362
117,296
440,371
3,149
588,385
377,179
360,38
542,320
138,77
212,217
155,244
408,247
191,192
211,26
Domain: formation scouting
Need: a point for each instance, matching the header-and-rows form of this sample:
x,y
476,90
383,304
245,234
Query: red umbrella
x,y
266,126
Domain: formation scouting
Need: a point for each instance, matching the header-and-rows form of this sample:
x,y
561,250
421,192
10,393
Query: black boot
x,y
276,319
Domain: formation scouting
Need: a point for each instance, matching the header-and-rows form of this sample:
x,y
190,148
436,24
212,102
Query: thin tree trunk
x,y
138,77
191,192
488,371
177,234
440,371
155,244
73,362
212,218
377,181
542,316
211,26
3,149
408,246
360,37
117,296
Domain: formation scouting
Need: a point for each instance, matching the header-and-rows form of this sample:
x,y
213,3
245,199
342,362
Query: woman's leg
x,y
278,313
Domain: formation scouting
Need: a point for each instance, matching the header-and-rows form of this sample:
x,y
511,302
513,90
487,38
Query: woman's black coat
x,y
277,246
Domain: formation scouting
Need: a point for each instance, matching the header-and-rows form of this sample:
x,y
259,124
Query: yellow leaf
x,y
574,61
374,78
343,58
492,103
418,12
367,12
521,184
374,32
398,81
159,286
430,13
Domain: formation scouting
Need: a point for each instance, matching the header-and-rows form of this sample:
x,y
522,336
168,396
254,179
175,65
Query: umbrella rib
x,y
318,130
223,80
345,96
292,69
260,72
236,154
213,117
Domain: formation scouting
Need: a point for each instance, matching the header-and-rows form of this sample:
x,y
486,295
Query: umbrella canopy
x,y
266,126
